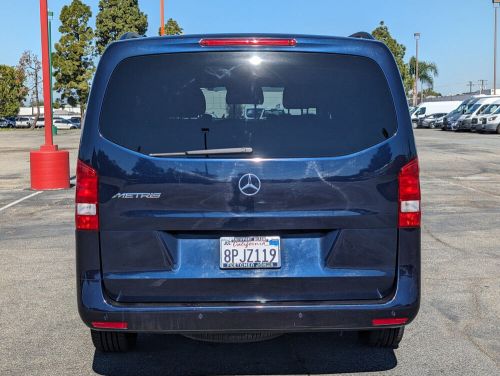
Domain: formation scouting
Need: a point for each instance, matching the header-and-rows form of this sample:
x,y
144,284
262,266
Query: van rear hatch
x,y
315,173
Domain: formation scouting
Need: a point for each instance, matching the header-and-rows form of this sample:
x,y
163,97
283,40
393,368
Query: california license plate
x,y
250,252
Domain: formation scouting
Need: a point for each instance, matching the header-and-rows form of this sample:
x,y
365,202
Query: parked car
x,y
211,227
64,124
465,121
439,122
477,121
450,122
431,108
76,120
433,121
491,123
40,122
11,120
6,123
23,122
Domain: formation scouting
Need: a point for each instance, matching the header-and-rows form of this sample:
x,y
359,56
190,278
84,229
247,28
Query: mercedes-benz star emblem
x,y
249,184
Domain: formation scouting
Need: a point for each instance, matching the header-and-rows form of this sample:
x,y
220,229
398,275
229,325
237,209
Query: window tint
x,y
473,108
490,109
280,104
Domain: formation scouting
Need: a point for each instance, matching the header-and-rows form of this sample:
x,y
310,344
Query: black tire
x,y
113,341
388,338
498,129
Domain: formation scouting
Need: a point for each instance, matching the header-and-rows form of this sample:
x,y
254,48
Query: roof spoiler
x,y
362,35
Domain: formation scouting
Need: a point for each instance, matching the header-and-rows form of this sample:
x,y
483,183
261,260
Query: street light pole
x,y
415,90
52,128
496,4
162,17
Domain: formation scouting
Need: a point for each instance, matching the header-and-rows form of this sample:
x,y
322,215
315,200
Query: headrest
x,y
298,97
187,103
244,94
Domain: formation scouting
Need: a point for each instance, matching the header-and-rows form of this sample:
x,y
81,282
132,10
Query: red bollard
x,y
49,166
49,169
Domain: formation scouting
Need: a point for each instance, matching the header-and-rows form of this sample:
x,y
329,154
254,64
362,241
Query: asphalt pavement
x,y
456,333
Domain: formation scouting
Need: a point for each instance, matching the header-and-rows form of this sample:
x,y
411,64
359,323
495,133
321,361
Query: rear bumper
x,y
236,318
94,305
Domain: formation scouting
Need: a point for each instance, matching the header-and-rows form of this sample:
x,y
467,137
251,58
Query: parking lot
x,y
456,332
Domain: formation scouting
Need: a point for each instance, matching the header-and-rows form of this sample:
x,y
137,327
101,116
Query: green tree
x,y
12,90
171,28
117,17
382,34
426,71
72,61
430,92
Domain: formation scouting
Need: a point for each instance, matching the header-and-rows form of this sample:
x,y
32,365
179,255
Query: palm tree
x,y
427,71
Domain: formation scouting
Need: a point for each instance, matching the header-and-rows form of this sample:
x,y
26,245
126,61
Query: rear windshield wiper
x,y
204,152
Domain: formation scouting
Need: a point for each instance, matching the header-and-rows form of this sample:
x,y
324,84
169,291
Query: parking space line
x,y
20,200
456,184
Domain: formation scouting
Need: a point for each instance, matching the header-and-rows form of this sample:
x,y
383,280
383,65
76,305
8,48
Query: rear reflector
x,y
86,198
391,321
109,325
248,42
409,195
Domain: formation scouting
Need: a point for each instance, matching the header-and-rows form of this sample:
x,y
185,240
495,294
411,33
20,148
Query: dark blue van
x,y
239,187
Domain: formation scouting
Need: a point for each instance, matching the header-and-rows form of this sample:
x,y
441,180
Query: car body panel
x,y
155,261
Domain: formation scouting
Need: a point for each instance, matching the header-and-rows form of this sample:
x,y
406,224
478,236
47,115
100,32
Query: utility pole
x,y
470,84
482,84
415,89
162,17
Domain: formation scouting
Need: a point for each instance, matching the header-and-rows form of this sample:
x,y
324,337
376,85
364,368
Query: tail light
x,y
280,42
86,198
409,195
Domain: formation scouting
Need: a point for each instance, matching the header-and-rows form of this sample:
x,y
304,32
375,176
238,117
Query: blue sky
x,y
456,34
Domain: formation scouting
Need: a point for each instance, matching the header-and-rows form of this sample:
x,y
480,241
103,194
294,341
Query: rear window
x,y
280,104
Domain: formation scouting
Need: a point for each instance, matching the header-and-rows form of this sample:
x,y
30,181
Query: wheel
x,y
389,338
498,129
113,341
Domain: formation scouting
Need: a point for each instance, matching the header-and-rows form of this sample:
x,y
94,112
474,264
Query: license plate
x,y
250,252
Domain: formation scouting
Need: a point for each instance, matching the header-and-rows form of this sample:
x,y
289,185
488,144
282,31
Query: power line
x,y
470,84
482,83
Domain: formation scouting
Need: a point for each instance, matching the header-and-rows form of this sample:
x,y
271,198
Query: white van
x,y
431,108
477,121
465,121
